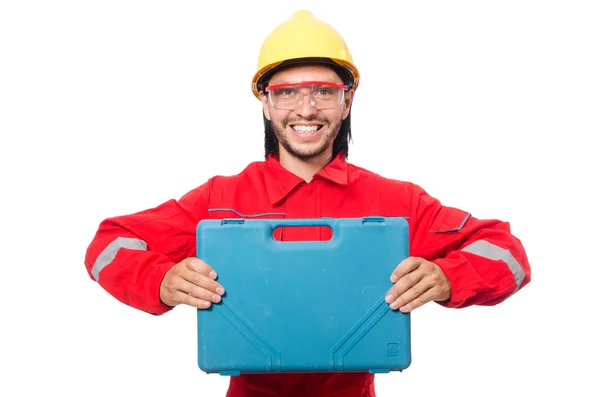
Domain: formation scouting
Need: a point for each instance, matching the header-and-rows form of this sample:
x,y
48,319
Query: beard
x,y
330,132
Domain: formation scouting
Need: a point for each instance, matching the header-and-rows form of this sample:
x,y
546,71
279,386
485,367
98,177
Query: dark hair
x,y
344,136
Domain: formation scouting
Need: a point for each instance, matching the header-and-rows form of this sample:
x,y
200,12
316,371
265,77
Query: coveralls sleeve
x,y
130,254
484,262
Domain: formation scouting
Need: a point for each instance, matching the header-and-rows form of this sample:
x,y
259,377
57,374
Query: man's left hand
x,y
416,282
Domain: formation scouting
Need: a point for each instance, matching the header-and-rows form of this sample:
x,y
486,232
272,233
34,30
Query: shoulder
x,y
372,180
251,174
251,170
227,181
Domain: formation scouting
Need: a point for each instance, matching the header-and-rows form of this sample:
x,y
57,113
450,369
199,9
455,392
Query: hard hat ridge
x,y
304,39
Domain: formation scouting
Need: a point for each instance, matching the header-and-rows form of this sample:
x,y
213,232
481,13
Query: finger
x,y
186,299
198,280
202,267
404,284
197,291
417,296
406,266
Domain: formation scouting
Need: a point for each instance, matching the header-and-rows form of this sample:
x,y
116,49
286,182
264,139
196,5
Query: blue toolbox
x,y
303,306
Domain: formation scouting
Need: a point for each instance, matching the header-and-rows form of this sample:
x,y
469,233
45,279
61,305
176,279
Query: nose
x,y
306,108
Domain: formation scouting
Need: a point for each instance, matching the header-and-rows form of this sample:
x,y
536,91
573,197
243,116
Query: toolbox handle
x,y
275,223
332,223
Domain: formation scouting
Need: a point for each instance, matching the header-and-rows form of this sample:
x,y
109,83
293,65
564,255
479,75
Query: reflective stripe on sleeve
x,y
109,253
491,251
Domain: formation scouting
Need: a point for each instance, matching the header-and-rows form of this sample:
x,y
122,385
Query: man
x,y
306,82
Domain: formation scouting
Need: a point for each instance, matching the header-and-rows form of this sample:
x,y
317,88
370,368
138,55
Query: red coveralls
x,y
130,254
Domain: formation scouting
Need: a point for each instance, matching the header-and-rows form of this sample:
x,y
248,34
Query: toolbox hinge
x,y
380,371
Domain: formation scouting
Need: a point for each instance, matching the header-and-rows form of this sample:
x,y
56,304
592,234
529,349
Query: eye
x,y
324,92
285,92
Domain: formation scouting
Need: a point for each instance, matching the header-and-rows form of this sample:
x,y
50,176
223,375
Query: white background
x,y
109,107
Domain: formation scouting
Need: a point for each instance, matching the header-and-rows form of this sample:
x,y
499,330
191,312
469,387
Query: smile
x,y
306,129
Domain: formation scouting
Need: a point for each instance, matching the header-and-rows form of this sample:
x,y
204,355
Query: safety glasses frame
x,y
270,89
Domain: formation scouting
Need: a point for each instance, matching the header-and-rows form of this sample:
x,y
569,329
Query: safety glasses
x,y
322,94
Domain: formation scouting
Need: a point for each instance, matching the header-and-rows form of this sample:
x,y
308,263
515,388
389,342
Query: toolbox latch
x,y
233,221
373,219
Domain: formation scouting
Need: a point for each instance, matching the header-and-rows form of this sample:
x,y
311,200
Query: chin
x,y
305,153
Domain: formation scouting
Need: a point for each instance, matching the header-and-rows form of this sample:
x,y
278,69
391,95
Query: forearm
x,y
123,266
483,261
489,267
130,255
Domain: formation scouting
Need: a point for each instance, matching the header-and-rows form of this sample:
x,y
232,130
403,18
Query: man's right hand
x,y
191,282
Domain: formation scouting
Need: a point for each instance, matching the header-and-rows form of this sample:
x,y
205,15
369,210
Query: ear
x,y
348,97
265,102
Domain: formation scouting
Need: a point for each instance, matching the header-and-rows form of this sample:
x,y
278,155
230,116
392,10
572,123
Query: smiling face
x,y
306,132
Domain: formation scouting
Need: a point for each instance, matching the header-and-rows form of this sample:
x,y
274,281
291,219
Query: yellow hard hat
x,y
303,37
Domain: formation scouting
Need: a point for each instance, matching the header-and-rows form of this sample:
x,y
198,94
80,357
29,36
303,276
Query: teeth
x,y
306,128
